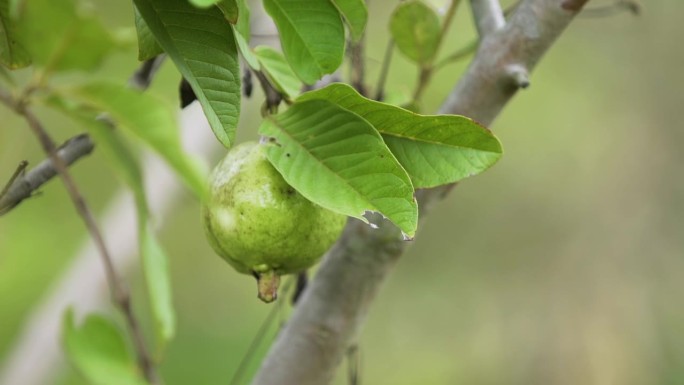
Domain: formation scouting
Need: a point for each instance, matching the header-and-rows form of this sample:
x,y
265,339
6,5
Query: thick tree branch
x,y
25,185
488,15
334,306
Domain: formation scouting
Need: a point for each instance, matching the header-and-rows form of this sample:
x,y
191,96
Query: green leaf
x,y
202,46
434,150
157,276
355,14
154,259
148,46
98,350
416,30
12,54
60,38
246,52
230,10
243,19
149,119
278,71
203,3
237,13
337,160
312,36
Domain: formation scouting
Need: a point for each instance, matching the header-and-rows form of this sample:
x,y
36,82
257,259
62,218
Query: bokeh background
x,y
564,264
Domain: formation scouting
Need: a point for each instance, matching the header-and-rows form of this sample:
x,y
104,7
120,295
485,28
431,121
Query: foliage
x,y
339,149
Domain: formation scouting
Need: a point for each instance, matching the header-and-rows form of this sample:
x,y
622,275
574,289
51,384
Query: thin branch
x,y
20,171
72,150
142,77
426,71
488,15
333,308
357,64
272,95
25,185
458,55
120,294
382,79
613,9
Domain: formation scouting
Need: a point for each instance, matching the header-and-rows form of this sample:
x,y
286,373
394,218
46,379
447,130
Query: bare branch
x,y
334,306
71,150
24,186
619,6
382,79
357,60
488,15
120,294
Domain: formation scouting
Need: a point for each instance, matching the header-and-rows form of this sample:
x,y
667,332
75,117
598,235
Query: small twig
x,y
247,85
142,77
613,9
71,151
186,93
382,79
357,68
354,365
20,171
25,185
273,97
488,15
448,17
120,294
300,286
458,55
426,71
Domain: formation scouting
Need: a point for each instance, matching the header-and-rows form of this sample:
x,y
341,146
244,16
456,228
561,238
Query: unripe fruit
x,y
261,225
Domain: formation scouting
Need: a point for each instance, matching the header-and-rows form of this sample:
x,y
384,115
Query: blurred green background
x,y
564,264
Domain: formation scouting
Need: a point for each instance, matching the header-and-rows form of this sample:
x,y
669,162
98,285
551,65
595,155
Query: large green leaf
x,y
312,36
416,30
149,119
124,163
98,350
434,150
202,46
337,160
278,71
148,46
60,37
12,54
355,14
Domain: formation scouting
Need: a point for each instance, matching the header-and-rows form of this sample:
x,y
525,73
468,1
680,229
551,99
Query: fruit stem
x,y
268,282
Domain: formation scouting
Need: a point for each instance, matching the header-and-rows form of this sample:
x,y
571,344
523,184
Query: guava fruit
x,y
261,225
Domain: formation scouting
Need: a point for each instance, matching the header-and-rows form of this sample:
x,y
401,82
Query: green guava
x,y
261,225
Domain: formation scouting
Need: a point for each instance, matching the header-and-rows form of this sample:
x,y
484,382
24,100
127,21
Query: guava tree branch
x,y
24,185
332,309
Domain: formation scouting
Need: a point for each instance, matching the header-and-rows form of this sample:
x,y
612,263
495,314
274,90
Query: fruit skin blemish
x,y
261,225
